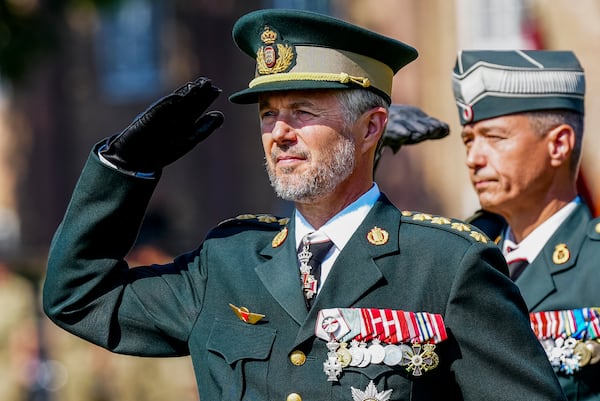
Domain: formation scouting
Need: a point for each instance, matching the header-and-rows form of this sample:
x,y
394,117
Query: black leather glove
x,y
167,130
408,125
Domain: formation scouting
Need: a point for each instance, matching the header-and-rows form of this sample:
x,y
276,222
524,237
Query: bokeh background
x,y
74,72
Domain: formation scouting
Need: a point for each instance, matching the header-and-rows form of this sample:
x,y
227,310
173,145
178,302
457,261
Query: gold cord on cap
x,y
310,76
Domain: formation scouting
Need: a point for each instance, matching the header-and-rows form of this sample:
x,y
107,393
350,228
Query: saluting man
x,y
349,298
522,114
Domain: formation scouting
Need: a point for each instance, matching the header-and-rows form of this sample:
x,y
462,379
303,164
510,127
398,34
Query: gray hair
x,y
355,102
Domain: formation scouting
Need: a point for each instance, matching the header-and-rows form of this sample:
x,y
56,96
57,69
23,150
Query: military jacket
x,y
425,264
565,275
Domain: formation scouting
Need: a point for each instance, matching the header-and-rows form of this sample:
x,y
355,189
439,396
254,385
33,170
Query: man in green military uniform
x,y
347,299
522,115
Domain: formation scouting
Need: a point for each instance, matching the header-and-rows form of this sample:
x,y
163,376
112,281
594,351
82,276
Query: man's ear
x,y
561,142
375,121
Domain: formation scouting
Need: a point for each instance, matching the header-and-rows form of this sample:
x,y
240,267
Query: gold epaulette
x,y
259,219
452,224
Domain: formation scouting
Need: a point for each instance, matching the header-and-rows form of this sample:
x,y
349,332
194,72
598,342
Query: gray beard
x,y
319,181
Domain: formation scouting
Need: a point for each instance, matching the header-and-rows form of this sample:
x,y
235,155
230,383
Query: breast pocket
x,y
239,352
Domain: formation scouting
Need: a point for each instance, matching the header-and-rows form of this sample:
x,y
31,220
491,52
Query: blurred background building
x,y
72,73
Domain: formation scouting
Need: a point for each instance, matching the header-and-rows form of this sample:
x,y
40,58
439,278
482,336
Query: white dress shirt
x,y
339,228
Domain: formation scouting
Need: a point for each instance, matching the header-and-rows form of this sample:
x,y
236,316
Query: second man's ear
x,y
561,142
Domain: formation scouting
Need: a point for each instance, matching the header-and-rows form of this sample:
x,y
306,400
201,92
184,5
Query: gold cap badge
x,y
378,236
273,58
561,254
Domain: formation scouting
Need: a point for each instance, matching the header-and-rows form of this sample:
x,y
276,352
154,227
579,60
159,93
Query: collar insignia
x,y
561,254
280,238
378,236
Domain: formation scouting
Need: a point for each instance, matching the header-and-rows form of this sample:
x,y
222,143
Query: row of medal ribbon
x,y
577,323
386,325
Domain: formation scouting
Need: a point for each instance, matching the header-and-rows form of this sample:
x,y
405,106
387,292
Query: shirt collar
x,y
533,244
341,226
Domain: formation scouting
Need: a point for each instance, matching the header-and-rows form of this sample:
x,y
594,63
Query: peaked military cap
x,y
297,49
494,83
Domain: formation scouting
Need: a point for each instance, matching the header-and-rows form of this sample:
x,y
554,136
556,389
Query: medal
x,y
343,355
419,359
561,354
594,348
370,394
393,355
366,359
356,353
568,336
409,338
583,353
332,366
309,282
377,352
330,324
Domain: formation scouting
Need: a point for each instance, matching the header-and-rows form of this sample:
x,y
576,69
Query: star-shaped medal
x,y
371,394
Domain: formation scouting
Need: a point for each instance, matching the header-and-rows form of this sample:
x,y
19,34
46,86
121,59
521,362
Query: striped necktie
x,y
311,253
516,267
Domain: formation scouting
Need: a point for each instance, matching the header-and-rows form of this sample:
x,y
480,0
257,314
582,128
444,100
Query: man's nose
x,y
475,154
283,132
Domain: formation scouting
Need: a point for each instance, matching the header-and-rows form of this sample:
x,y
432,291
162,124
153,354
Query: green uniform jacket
x,y
426,265
573,283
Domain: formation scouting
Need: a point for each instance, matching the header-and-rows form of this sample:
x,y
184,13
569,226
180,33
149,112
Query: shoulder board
x,y
263,220
593,229
457,226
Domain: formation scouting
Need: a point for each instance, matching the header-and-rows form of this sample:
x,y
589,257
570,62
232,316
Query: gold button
x,y
294,397
598,228
297,358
